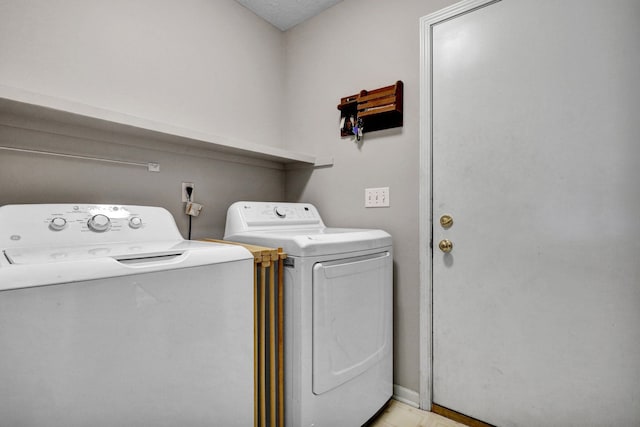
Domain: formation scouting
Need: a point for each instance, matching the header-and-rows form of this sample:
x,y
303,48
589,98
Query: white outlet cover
x,y
184,191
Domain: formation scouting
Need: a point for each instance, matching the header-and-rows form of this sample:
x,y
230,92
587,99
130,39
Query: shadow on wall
x,y
296,182
372,136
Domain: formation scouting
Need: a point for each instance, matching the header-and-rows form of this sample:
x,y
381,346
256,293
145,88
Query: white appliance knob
x,y
281,213
57,223
135,222
99,223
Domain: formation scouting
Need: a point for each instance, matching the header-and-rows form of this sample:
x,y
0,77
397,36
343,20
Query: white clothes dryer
x,y
338,311
108,317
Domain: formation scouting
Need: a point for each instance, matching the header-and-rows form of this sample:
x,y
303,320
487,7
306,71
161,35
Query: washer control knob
x,y
57,223
135,222
280,212
99,223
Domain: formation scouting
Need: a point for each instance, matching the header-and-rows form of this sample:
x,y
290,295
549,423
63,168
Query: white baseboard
x,y
407,396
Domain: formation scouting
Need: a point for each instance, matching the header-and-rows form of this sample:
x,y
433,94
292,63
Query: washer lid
x,y
48,266
117,251
312,242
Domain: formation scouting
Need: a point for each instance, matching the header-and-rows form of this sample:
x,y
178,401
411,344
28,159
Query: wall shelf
x,y
24,104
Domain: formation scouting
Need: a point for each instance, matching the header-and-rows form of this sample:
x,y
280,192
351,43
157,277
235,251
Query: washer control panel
x,y
94,218
79,224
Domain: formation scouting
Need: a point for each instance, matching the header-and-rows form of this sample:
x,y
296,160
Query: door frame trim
x,y
426,194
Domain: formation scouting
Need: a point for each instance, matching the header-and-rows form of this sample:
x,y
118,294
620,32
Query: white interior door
x,y
536,156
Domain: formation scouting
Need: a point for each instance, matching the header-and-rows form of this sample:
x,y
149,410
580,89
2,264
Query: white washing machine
x,y
109,318
338,311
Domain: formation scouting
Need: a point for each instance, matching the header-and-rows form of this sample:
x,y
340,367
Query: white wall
x,y
355,45
207,65
29,178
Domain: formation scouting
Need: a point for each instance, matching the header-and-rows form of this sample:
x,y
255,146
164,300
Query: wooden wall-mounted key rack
x,y
372,110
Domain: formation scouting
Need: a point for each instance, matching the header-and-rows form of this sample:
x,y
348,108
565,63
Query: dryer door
x,y
352,317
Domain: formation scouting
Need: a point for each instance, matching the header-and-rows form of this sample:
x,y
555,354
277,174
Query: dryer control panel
x,y
83,224
244,216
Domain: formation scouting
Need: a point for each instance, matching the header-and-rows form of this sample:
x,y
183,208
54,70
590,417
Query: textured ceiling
x,y
285,14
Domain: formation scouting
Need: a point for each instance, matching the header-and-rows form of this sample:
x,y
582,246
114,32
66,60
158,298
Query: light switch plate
x,y
376,197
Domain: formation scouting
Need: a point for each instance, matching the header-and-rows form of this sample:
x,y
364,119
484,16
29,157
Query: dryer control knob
x,y
57,223
280,212
135,222
99,223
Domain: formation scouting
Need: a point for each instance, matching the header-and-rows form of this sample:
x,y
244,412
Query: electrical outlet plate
x,y
376,197
185,197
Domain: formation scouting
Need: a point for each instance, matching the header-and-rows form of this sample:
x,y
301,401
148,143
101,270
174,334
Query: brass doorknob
x,y
446,221
445,246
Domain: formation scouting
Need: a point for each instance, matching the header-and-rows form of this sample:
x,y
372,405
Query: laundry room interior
x,y
121,102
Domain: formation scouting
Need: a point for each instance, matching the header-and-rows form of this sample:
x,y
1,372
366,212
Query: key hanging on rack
x,y
358,129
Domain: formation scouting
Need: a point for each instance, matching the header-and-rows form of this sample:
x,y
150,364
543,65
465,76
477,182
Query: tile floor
x,y
398,414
